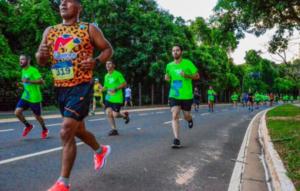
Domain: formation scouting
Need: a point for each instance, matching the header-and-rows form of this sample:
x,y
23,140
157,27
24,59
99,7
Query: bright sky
x,y
190,9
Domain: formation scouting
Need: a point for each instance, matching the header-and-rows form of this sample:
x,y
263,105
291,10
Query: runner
x,y
241,99
250,98
267,98
215,99
31,97
128,97
262,97
69,46
180,74
257,99
271,99
211,99
292,98
234,99
286,99
98,96
114,82
244,99
196,99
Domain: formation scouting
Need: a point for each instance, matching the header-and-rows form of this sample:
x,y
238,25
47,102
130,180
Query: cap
x,y
96,79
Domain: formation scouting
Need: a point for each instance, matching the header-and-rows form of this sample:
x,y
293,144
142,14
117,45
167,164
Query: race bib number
x,y
63,70
111,93
177,83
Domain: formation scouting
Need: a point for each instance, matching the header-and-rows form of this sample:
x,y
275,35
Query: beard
x,y
24,64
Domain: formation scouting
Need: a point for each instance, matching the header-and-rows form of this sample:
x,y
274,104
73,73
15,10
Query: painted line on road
x,y
160,112
34,154
171,121
6,130
98,119
143,114
205,114
53,124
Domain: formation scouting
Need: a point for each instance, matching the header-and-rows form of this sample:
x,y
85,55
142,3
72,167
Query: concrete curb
x,y
277,171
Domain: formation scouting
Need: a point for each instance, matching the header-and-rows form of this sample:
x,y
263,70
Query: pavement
x,y
141,157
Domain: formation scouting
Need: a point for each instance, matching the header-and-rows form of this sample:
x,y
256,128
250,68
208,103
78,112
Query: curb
x,y
277,171
239,167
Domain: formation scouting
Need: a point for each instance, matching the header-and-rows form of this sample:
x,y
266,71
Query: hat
x,y
96,79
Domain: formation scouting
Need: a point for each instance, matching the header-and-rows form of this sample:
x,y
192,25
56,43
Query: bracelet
x,y
116,89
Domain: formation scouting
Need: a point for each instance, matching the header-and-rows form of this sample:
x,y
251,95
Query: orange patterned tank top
x,y
66,53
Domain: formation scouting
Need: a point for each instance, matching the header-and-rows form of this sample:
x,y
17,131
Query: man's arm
x,y
40,81
43,54
195,76
99,41
121,86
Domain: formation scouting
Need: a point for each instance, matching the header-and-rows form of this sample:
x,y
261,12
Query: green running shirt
x,y
32,92
113,81
257,97
211,94
181,87
234,97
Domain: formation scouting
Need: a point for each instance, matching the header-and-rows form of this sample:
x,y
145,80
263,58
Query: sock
x,y
44,127
26,123
99,151
65,180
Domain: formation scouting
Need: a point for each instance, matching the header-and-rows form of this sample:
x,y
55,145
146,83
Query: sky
x,y
190,9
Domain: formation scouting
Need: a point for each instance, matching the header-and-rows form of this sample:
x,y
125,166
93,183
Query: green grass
x,y
289,150
284,111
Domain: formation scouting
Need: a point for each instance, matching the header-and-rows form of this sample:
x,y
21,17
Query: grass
x,y
284,111
289,150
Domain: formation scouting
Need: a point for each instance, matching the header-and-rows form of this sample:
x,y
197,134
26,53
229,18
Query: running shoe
x,y
44,134
190,124
59,186
126,119
100,159
92,112
27,130
176,144
113,132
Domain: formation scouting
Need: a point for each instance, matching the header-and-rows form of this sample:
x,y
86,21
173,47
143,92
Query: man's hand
x,y
167,77
89,63
44,50
182,74
24,80
112,90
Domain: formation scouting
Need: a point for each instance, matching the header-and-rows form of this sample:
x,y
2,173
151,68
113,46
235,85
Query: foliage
x,y
257,16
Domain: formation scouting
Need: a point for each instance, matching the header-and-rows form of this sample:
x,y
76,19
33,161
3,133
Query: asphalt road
x,y
141,157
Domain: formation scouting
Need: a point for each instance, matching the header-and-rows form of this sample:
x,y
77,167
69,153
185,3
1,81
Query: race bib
x,y
63,70
111,93
177,83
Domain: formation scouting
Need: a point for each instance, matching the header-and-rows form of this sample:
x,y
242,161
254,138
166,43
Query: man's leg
x,y
110,117
125,103
102,105
131,103
175,120
19,115
94,105
187,115
118,115
87,137
40,120
68,130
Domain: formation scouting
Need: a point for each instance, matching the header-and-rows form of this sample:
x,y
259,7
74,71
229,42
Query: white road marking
x,y
160,112
171,121
6,130
224,109
34,154
143,114
205,114
98,119
53,124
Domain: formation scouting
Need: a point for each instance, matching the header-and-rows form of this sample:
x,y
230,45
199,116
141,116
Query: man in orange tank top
x,y
69,46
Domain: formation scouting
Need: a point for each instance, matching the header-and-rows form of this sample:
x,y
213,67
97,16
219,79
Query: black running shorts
x,y
116,107
74,102
185,105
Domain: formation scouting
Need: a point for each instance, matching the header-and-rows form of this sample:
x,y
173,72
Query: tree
x,y
257,16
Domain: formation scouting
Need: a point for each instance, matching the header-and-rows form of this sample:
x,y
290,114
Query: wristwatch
x,y
98,63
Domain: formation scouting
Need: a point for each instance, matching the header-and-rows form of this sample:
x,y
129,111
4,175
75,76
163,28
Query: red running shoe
x,y
27,130
100,159
44,134
59,186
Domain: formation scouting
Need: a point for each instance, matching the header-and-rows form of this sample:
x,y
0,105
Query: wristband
x,y
116,89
